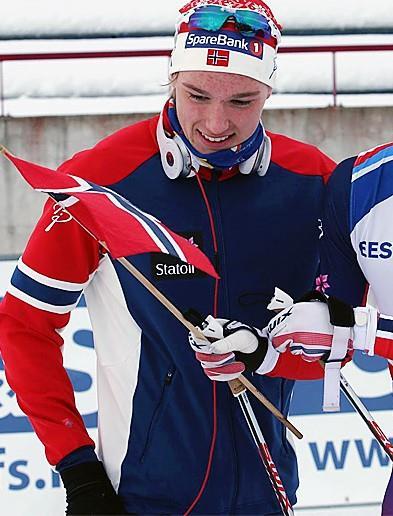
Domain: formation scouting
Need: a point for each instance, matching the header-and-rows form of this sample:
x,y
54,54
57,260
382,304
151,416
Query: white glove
x,y
306,329
322,327
237,347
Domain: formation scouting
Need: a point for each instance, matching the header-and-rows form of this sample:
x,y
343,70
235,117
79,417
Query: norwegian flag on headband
x,y
217,57
110,218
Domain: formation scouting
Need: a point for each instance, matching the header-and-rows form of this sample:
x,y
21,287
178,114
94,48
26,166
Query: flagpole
x,y
239,391
153,291
237,386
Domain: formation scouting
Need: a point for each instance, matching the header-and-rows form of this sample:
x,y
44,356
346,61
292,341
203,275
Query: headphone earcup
x,y
259,161
175,157
172,159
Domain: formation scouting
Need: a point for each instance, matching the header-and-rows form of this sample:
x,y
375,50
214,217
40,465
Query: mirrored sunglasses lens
x,y
252,21
208,19
213,18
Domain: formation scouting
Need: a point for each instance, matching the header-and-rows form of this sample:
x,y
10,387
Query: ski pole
x,y
240,393
365,414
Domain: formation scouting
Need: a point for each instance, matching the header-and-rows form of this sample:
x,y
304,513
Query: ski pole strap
x,y
342,319
194,317
331,385
341,314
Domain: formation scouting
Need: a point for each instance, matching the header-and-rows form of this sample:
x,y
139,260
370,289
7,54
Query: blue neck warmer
x,y
222,159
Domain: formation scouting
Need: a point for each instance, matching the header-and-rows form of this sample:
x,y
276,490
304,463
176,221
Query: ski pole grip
x,y
194,317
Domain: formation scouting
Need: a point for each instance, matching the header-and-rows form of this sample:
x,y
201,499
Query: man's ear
x,y
270,90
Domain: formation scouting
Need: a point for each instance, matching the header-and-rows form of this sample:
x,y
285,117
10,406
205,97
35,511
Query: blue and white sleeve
x,y
340,274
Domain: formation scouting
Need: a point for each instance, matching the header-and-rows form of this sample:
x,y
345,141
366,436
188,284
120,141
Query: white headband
x,y
226,50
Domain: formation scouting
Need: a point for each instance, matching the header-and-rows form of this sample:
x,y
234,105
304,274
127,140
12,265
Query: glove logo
x,y
278,320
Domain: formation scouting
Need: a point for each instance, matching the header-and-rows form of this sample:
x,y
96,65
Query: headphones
x,y
178,161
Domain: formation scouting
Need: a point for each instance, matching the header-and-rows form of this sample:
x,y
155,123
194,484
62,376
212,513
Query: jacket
x,y
157,410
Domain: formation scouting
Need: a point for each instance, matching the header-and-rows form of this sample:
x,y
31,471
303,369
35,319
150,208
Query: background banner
x,y
341,465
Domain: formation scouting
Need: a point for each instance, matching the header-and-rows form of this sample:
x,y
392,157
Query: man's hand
x,y
306,328
89,490
231,348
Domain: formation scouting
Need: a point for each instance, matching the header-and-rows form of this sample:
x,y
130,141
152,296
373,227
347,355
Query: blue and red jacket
x,y
157,409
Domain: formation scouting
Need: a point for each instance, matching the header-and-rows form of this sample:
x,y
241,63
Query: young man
x,y
356,266
170,439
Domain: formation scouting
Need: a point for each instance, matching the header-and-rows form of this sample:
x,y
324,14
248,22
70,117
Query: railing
x,y
333,49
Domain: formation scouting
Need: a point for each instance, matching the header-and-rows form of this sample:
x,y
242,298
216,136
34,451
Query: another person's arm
x,y
341,275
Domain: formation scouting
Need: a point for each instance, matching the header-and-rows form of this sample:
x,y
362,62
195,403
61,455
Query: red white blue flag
x,y
119,225
216,57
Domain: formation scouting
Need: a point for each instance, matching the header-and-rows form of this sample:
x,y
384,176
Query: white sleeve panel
x,y
118,347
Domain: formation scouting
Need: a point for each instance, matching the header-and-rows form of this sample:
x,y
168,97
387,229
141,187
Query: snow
x,y
333,14
46,18
125,85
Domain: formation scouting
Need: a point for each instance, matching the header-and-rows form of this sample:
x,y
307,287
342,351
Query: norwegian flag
x,y
216,57
123,228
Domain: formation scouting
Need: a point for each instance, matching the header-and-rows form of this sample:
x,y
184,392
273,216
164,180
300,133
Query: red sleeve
x,y
289,366
294,367
300,157
50,276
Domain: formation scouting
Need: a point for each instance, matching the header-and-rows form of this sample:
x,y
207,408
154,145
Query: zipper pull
x,y
168,378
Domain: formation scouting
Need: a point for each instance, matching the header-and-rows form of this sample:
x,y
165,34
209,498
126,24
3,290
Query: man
x,y
169,440
356,267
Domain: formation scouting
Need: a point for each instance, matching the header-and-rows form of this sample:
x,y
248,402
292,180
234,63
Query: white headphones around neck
x,y
178,161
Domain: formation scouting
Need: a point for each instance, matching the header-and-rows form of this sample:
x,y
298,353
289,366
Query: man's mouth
x,y
215,139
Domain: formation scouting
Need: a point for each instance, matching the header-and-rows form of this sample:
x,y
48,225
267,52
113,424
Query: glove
x,y
232,348
89,490
307,328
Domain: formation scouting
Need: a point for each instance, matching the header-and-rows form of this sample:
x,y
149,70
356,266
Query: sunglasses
x,y
213,17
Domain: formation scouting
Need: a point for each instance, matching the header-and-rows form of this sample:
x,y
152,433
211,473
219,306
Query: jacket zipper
x,y
155,417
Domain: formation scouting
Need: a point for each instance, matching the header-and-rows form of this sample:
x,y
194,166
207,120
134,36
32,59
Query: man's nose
x,y
217,121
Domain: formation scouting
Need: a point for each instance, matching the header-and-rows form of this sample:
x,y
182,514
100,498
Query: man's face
x,y
218,110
